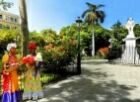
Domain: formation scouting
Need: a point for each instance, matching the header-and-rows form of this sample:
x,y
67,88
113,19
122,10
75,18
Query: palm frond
x,y
100,6
91,6
85,13
100,15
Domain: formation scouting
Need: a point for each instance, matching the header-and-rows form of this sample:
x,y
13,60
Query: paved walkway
x,y
99,82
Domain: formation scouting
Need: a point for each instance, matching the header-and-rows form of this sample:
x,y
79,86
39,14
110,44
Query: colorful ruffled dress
x,y
32,87
10,82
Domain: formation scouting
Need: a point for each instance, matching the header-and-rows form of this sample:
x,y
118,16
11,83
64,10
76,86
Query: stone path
x,y
99,82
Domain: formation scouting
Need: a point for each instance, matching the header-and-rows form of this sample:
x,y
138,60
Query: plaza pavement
x,y
99,82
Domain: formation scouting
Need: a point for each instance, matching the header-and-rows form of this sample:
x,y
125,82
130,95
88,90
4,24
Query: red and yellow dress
x,y
10,83
33,88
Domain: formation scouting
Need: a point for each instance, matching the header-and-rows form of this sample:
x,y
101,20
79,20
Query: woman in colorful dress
x,y
32,87
10,82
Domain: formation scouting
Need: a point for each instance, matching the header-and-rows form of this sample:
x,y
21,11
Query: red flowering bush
x,y
62,52
104,51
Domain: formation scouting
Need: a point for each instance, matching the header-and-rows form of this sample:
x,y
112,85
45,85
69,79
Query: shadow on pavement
x,y
89,87
94,62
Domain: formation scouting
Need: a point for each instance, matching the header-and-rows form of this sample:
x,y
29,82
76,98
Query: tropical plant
x,y
93,15
137,32
118,34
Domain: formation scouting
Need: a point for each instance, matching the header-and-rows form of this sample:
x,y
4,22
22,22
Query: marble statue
x,y
130,55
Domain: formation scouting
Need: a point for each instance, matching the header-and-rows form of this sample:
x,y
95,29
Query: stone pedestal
x,y
93,44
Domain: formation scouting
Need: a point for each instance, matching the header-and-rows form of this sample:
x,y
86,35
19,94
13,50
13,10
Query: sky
x,y
55,14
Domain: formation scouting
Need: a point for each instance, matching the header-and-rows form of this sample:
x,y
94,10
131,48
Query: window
x,y
12,20
8,18
0,16
15,20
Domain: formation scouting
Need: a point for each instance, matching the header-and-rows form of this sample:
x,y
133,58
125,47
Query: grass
x,y
46,78
51,78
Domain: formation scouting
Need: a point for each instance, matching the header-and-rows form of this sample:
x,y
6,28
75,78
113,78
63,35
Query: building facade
x,y
9,20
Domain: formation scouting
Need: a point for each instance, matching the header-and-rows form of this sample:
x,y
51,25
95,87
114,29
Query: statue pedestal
x,y
130,55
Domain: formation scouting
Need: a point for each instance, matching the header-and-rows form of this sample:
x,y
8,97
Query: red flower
x,y
28,59
24,60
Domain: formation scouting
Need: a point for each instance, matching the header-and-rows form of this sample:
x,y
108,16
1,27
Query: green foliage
x,y
58,53
71,31
33,33
38,38
46,36
7,36
5,5
118,34
102,36
47,78
137,30
137,33
56,48
85,39
49,35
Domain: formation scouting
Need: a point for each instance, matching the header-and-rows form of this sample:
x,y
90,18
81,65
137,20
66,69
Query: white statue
x,y
130,54
130,26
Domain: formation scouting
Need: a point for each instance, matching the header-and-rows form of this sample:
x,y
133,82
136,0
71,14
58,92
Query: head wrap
x,y
11,45
32,45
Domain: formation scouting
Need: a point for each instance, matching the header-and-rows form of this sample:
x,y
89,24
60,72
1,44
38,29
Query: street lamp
x,y
79,21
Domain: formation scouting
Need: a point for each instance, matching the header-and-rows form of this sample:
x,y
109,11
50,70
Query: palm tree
x,y
24,25
93,16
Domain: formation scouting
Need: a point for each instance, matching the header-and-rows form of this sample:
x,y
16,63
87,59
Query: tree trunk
x,y
24,25
93,43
